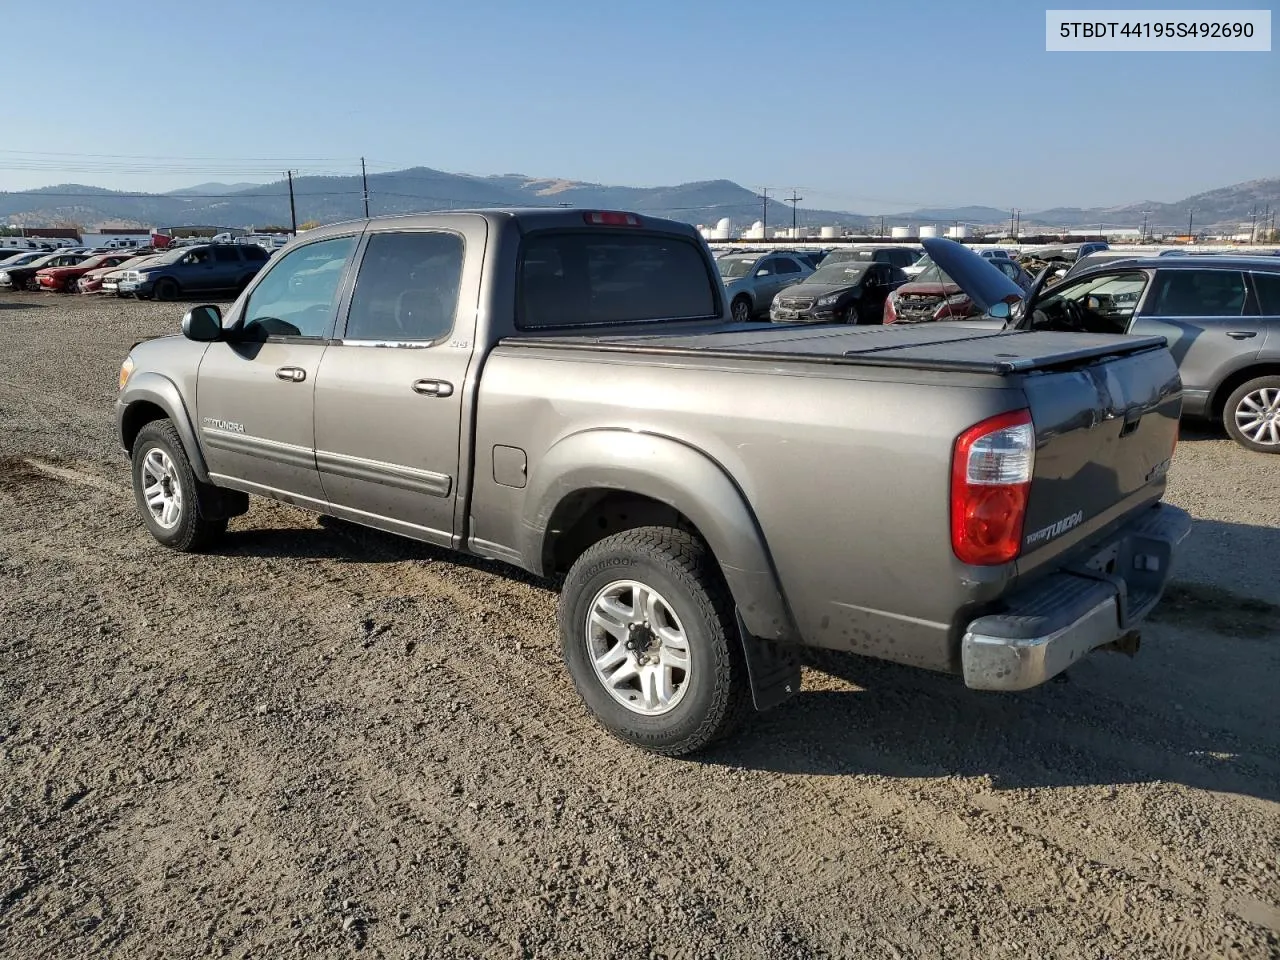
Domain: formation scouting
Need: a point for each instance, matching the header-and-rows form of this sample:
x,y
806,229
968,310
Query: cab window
x,y
297,296
407,288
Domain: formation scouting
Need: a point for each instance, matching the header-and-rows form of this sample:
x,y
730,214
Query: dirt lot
x,y
324,742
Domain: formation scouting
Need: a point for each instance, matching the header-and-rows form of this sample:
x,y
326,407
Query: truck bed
x,y
928,347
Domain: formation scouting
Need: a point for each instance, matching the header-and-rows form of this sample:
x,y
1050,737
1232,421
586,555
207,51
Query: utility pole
x,y
1142,234
1191,215
764,219
1017,224
793,200
880,235
293,210
364,178
1010,221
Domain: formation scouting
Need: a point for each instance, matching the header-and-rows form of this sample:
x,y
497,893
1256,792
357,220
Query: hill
x,y
419,189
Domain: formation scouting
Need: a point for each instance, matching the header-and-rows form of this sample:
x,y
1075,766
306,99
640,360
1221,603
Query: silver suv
x,y
752,280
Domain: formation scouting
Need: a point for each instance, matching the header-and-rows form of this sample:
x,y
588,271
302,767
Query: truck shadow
x,y
1196,707
345,542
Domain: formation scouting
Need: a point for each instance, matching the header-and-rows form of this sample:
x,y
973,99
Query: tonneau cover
x,y
924,346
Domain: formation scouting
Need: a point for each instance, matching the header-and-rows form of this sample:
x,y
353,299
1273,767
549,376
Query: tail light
x,y
991,470
890,311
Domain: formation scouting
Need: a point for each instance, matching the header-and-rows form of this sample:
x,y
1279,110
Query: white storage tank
x,y
957,233
830,233
926,232
724,225
899,233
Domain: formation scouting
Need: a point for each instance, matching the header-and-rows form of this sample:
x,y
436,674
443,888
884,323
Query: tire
x,y
165,290
740,310
1252,415
157,452
71,286
850,315
709,698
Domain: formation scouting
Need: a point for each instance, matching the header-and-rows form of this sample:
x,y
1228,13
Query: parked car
x,y
66,279
932,295
995,253
849,292
895,254
190,271
10,258
23,277
709,497
751,280
1219,315
92,281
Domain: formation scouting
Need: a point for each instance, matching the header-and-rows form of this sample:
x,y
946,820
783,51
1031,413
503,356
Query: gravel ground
x,y
325,742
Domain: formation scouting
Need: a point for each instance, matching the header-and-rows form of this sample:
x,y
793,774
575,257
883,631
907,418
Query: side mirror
x,y
762,272
1000,311
203,324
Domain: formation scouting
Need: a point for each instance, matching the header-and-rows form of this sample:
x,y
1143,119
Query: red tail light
x,y
991,469
890,311
611,218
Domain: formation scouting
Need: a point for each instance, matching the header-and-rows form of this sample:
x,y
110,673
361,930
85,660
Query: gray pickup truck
x,y
565,391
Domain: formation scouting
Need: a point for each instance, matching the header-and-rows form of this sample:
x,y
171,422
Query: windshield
x,y
843,274
844,256
932,274
732,267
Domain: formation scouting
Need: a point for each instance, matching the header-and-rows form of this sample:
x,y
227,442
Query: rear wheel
x,y
72,285
166,289
741,310
1252,415
648,632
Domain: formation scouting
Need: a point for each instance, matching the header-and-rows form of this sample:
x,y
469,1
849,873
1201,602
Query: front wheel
x,y
648,633
741,310
166,290
170,500
1252,415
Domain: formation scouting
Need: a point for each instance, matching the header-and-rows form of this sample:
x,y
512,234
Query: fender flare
x,y
671,472
155,388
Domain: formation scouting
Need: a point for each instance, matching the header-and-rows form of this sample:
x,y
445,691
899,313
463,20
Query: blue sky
x,y
864,106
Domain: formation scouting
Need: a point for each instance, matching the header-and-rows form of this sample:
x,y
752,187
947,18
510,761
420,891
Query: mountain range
x,y
326,199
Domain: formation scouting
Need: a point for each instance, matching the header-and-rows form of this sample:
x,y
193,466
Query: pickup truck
x,y
565,391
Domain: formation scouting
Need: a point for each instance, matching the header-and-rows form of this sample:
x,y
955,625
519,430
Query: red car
x,y
67,278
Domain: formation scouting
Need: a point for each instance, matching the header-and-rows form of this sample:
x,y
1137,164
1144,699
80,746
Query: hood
x,y
984,283
817,289
930,289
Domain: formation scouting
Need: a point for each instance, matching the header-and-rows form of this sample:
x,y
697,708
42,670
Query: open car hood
x,y
984,283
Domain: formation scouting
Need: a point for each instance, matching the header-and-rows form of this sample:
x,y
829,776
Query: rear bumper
x,y
1061,618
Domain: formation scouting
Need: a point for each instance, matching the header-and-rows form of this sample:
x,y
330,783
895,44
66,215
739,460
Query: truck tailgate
x,y
1105,433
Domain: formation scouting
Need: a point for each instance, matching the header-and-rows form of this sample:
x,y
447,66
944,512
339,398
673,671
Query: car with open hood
x,y
1219,316
850,292
933,295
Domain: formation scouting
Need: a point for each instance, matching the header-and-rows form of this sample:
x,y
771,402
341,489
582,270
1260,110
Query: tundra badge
x,y
1057,529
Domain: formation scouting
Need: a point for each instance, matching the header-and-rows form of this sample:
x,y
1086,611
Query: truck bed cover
x,y
926,346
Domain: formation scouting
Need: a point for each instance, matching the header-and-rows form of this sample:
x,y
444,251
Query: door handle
x,y
291,374
433,388
1241,334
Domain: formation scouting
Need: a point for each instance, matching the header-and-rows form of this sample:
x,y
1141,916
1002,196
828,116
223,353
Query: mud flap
x,y
772,666
219,502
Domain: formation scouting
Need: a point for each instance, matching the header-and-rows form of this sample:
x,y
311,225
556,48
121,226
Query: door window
x,y
1197,293
769,268
407,288
1102,304
787,266
1268,287
297,296
226,255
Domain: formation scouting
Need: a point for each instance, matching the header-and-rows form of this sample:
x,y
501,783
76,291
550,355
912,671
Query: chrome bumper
x,y
1061,618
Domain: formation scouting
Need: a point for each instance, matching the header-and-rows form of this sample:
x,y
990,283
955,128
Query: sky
x,y
873,107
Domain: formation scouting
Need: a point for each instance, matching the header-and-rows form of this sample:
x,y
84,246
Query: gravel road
x,y
325,742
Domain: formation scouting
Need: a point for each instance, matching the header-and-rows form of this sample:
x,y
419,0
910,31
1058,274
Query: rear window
x,y
582,278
